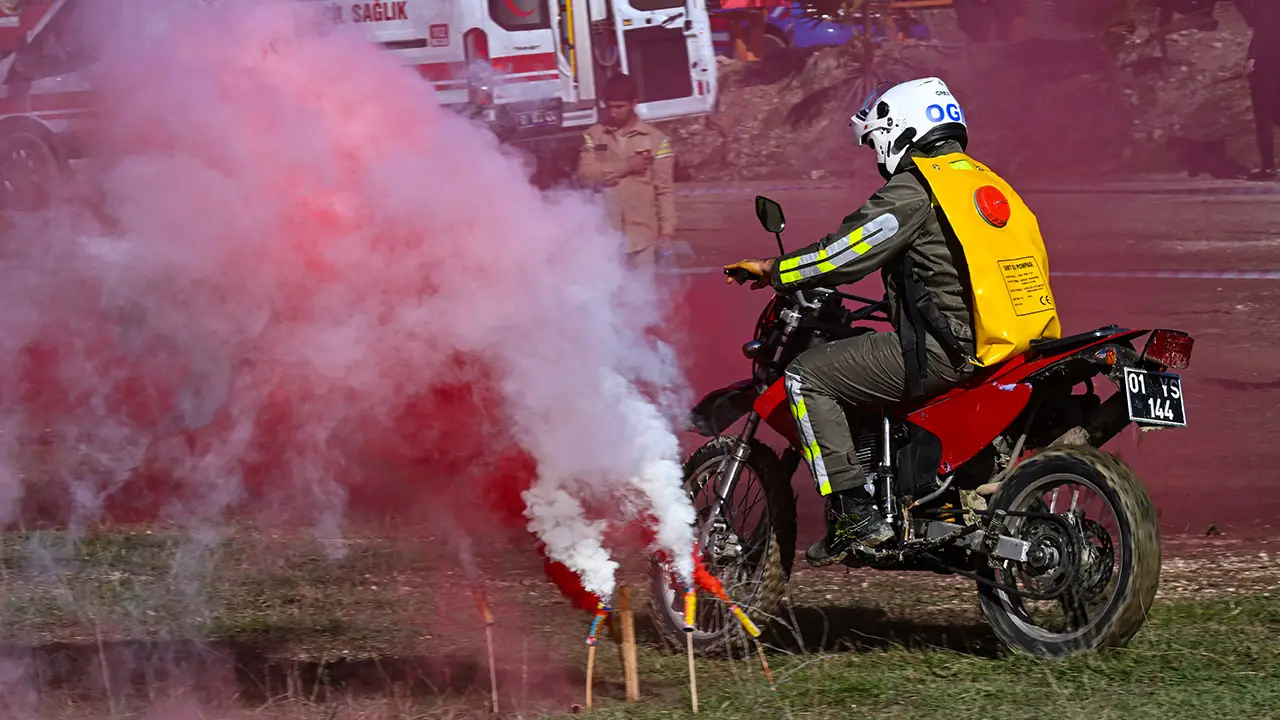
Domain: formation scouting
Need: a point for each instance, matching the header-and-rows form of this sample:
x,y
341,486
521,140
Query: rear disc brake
x,y
1097,560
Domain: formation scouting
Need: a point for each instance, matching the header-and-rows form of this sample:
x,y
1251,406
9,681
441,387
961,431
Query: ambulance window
x,y
520,14
651,5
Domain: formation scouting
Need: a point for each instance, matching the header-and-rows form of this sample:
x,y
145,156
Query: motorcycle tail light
x,y
1170,348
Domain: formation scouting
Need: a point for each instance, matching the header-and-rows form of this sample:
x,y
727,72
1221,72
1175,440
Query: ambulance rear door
x,y
667,48
572,24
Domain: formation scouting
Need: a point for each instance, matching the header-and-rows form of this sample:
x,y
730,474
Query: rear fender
x,y
775,408
1027,370
719,409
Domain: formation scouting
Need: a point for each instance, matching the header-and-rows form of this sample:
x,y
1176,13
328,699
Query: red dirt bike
x,y
985,481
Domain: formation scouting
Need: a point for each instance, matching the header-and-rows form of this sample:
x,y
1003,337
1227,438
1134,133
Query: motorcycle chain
x,y
990,516
1068,579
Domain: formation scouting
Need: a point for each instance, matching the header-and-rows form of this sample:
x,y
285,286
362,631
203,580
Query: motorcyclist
x,y
899,231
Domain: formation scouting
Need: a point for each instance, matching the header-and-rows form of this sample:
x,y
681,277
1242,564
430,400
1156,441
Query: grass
x,y
1193,660
274,627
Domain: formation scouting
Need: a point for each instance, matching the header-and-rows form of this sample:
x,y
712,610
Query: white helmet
x,y
912,114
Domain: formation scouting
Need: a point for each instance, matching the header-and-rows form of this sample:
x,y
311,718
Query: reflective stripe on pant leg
x,y
808,442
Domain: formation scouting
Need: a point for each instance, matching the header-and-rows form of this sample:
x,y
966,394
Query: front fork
x,y
885,474
729,473
732,469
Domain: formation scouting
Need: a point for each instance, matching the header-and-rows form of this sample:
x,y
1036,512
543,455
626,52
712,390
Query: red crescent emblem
x,y
522,13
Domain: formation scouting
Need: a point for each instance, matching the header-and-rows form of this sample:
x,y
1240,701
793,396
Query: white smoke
x,y
629,459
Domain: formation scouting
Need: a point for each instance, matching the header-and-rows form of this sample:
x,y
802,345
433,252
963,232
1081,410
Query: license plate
x,y
537,118
1154,398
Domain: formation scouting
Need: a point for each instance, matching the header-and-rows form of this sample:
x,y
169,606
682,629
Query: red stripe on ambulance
x,y
516,64
543,64
442,72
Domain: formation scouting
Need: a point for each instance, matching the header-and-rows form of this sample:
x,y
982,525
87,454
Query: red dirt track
x,y
1219,469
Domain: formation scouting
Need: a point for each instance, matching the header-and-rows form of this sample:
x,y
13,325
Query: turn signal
x,y
751,349
992,205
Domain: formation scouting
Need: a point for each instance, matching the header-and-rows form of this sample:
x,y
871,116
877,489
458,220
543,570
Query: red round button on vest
x,y
992,205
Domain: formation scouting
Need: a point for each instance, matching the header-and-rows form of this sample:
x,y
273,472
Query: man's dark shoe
x,y
1263,174
853,522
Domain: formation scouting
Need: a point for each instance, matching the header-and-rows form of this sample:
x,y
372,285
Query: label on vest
x,y
1027,286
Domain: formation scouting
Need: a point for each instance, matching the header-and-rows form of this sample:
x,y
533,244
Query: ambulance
x,y
531,70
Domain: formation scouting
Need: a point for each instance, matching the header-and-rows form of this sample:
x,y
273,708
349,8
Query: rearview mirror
x,y
770,214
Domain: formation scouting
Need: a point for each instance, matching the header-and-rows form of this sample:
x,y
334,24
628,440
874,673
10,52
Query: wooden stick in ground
x,y
708,582
754,632
483,604
602,611
628,643
493,671
768,674
690,612
615,634
591,666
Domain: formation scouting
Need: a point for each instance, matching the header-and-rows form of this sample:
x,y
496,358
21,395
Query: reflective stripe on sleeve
x,y
841,252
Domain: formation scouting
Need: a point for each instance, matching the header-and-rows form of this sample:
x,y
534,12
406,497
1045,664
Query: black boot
x,y
853,520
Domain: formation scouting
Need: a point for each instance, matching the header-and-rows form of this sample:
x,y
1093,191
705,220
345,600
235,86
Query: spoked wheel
x,y
750,549
1106,553
30,170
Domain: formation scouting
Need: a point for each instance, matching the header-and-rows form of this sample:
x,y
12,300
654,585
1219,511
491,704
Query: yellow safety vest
x,y
1008,266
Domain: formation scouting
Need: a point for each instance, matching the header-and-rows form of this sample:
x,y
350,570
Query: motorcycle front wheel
x,y
750,550
1110,556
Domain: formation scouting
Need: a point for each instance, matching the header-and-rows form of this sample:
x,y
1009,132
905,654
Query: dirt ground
x,y
390,631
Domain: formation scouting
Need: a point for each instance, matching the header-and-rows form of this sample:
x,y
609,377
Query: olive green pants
x,y
866,371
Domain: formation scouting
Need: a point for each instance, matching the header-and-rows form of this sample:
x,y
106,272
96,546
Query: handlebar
x,y
867,312
869,307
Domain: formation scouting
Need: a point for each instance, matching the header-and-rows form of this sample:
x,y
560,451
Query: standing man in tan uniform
x,y
633,162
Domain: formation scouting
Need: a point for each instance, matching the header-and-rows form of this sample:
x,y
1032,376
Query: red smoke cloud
x,y
321,294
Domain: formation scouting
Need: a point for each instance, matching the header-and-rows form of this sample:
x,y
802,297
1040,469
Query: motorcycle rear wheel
x,y
758,583
1136,576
